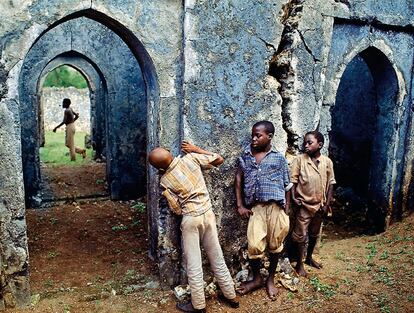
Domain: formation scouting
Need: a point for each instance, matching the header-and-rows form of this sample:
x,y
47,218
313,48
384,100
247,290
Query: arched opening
x,y
125,111
123,102
73,78
363,139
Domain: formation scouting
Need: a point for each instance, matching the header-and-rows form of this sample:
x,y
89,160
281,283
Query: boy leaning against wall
x,y
187,195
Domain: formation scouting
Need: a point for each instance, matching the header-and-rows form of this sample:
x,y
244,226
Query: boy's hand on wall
x,y
188,147
243,212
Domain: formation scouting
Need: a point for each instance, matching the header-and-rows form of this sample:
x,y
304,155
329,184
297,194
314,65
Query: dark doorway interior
x,y
362,140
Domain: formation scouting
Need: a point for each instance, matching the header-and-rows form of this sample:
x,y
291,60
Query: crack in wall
x,y
282,67
309,50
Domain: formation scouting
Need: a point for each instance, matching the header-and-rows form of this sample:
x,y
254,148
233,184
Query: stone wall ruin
x,y
206,71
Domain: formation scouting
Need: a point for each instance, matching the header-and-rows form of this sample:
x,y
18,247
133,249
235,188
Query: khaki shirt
x,y
185,188
312,182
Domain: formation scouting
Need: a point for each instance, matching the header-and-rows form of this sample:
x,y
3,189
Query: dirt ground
x,y
74,182
92,257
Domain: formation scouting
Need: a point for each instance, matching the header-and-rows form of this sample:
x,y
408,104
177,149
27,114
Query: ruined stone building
x,y
160,71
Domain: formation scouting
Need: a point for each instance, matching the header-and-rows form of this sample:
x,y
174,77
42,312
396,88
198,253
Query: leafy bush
x,y
65,76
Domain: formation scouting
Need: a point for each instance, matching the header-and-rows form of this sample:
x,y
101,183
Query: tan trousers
x,y
307,224
70,141
268,227
202,228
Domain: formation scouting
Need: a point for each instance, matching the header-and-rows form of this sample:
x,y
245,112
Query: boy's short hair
x,y
318,136
66,101
269,127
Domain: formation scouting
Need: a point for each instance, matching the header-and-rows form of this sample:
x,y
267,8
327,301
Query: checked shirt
x,y
266,181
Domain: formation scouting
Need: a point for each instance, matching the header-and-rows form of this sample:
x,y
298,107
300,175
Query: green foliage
x,y
65,76
372,252
139,207
327,290
384,255
339,255
52,254
119,227
382,301
56,153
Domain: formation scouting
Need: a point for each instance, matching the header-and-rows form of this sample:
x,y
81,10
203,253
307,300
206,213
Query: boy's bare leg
x,y
300,268
272,290
311,246
257,281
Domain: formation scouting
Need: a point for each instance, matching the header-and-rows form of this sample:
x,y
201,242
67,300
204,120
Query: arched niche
x,y
364,136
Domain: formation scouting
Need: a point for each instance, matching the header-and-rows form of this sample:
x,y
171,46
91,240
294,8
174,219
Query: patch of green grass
x,y
372,252
339,255
56,153
139,207
384,278
66,308
49,283
382,301
327,290
119,227
52,254
290,295
384,255
362,268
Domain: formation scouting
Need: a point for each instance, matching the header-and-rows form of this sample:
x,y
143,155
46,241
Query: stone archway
x,y
98,93
363,136
126,107
15,279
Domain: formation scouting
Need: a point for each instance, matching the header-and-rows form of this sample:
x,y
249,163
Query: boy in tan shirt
x,y
313,178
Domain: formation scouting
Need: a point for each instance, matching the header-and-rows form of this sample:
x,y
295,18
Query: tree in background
x,y
65,76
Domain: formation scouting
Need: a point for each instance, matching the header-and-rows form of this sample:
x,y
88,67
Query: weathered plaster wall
x,y
211,69
227,88
52,107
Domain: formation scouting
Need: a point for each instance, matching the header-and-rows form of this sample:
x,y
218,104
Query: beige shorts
x,y
70,135
267,228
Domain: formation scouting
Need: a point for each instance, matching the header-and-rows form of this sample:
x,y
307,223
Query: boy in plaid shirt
x,y
262,186
187,195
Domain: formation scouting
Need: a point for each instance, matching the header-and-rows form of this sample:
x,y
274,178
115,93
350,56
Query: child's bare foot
x,y
313,263
250,286
300,269
272,290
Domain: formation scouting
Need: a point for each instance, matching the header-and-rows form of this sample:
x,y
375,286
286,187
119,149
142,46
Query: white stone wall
x,y
51,101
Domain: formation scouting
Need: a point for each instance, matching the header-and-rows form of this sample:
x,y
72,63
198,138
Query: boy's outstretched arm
x,y
297,201
243,211
188,147
329,196
287,204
